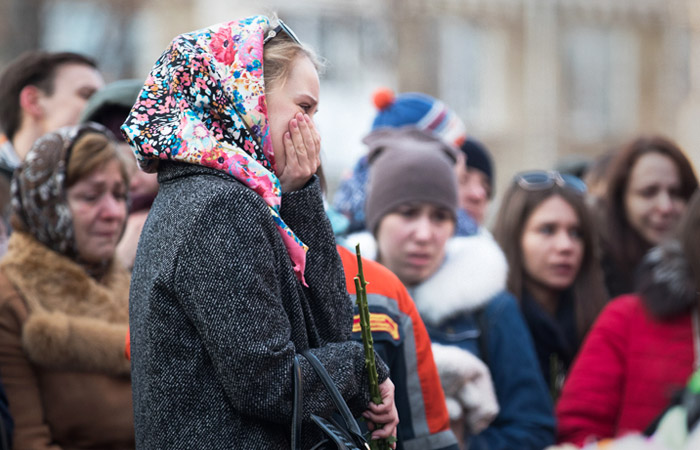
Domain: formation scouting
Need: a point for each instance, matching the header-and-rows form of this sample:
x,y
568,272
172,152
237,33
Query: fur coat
x,y
61,350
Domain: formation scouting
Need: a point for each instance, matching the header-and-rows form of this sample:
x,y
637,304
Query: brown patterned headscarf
x,y
39,200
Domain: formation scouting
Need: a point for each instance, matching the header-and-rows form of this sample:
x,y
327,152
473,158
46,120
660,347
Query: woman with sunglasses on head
x,y
649,184
237,271
643,347
495,395
548,237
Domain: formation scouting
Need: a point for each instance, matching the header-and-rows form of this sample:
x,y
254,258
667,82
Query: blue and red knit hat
x,y
419,110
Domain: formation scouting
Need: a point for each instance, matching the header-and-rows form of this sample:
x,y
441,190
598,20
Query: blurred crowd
x,y
572,322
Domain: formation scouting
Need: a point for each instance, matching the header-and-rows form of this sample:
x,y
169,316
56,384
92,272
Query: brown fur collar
x,y
75,321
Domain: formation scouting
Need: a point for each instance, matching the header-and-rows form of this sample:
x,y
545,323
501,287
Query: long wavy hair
x,y
621,242
516,208
689,234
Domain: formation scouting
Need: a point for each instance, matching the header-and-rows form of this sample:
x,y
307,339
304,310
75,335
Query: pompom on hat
x,y
419,110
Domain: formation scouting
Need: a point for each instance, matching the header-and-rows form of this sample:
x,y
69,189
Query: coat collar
x,y
74,321
52,282
474,271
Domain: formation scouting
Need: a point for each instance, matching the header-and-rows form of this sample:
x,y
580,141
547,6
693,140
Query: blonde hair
x,y
279,54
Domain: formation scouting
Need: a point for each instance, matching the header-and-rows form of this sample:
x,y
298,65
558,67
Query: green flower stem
x,y
368,343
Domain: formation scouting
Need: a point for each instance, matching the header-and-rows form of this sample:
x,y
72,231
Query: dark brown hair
x,y
689,234
516,208
623,245
35,68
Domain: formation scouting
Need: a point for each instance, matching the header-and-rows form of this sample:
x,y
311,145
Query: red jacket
x,y
628,369
393,316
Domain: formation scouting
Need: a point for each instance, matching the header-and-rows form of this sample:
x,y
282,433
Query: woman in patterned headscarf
x,y
63,296
237,270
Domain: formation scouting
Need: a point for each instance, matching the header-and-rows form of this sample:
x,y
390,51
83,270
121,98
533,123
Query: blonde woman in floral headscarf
x,y
236,270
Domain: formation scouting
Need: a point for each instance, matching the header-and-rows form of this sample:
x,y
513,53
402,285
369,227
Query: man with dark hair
x,y
39,93
476,180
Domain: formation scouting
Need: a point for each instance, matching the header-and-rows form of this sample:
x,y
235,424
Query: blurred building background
x,y
539,81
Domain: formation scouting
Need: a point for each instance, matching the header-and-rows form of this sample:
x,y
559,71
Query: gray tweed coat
x,y
217,316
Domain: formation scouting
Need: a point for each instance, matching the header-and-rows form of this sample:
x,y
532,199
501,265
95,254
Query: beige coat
x,y
62,351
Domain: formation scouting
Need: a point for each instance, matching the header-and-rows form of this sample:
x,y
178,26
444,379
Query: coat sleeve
x,y
20,380
329,300
429,422
229,284
590,401
526,419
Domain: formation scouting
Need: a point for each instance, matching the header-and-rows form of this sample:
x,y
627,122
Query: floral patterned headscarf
x,y
204,103
39,199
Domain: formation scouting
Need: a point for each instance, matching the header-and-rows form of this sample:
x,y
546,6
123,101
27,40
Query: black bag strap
x,y
351,424
338,400
298,405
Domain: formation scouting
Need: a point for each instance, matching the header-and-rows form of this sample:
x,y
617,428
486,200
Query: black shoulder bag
x,y
337,436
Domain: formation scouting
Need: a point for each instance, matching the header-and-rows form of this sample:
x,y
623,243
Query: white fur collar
x,y
474,270
368,245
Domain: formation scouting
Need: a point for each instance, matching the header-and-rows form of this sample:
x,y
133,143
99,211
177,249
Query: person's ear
x,y
29,101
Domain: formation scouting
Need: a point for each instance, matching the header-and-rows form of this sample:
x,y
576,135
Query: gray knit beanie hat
x,y
408,165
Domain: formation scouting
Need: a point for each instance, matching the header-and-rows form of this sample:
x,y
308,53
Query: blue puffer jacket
x,y
464,304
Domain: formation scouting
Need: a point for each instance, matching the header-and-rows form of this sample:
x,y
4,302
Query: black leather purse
x,y
347,436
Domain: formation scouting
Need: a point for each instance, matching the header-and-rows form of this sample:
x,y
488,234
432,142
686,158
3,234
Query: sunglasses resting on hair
x,y
281,27
537,180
